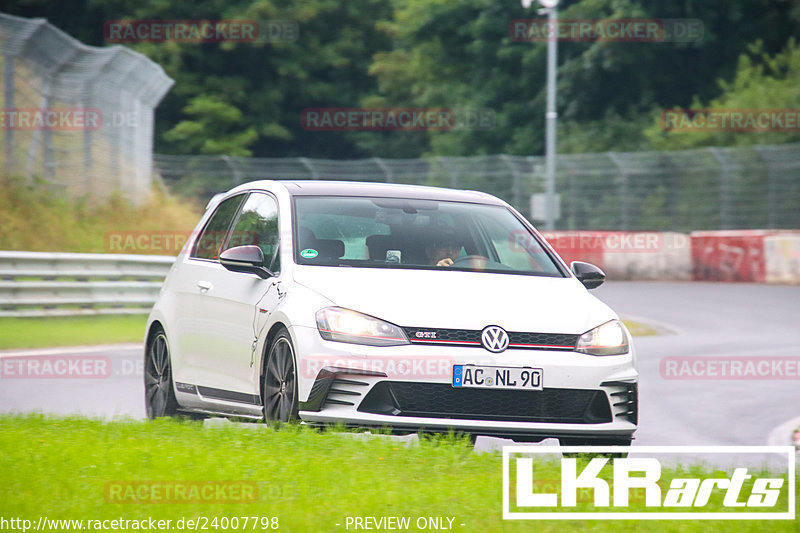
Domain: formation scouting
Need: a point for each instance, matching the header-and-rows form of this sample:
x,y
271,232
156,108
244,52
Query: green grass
x,y
70,331
638,329
69,468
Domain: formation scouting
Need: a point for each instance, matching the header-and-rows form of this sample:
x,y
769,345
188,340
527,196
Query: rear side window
x,y
258,225
212,238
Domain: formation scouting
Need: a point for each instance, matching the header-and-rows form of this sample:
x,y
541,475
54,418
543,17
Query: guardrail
x,y
62,284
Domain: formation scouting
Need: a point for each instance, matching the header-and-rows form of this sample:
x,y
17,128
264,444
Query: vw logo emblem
x,y
494,338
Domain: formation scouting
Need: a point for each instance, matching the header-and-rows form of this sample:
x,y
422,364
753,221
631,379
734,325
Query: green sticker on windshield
x,y
309,253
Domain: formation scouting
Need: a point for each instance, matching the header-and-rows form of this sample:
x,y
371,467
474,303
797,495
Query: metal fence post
x,y
8,102
535,176
672,189
307,163
449,169
515,192
771,192
236,176
724,188
387,172
624,211
573,194
35,138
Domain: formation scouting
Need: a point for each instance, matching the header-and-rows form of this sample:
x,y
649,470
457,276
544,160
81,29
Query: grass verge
x,y
82,469
37,220
70,331
638,329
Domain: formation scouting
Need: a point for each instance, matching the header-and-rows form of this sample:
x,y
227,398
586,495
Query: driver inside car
x,y
443,250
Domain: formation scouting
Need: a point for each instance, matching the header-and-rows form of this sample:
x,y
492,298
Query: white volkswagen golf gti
x,y
387,306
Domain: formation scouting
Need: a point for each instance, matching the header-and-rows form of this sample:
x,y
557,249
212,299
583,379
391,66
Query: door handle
x,y
205,286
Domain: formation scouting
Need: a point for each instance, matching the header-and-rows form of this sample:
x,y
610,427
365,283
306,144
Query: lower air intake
x,y
441,400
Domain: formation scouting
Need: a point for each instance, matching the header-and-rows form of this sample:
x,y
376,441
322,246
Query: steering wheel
x,y
474,261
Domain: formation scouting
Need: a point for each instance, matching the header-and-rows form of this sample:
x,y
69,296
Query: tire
x,y
279,381
159,396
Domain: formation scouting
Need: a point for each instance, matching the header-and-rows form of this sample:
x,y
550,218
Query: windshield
x,y
416,234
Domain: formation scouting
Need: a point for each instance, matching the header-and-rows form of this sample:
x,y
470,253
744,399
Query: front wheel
x,y
159,397
279,390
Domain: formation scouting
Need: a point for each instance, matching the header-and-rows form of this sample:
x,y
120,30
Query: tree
x,y
459,54
214,130
431,53
761,82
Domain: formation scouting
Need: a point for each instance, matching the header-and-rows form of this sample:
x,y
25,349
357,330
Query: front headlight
x,y
607,339
344,325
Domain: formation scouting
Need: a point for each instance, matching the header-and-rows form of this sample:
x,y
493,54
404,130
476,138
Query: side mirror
x,y
588,274
248,259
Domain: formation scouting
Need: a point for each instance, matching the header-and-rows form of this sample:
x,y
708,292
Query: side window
x,y
351,230
213,236
258,225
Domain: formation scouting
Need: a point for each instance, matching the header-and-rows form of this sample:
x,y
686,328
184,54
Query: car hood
x,y
459,300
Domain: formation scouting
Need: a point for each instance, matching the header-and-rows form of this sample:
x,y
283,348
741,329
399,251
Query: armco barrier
x,y
48,284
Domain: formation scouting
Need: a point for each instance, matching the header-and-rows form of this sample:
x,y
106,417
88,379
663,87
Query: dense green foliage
x,y
247,98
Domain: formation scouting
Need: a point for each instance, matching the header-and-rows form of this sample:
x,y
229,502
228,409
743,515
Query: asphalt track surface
x,y
699,320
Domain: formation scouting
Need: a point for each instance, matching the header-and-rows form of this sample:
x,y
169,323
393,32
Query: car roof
x,y
380,190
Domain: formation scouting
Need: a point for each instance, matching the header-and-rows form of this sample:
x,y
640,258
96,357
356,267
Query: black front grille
x,y
472,337
543,339
441,400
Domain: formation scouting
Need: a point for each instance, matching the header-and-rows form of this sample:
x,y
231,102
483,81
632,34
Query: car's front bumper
x,y
338,384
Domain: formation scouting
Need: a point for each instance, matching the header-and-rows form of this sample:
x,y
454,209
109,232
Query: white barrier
x,y
628,255
670,260
782,258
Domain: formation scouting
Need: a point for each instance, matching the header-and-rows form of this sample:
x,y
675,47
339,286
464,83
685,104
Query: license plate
x,y
496,377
